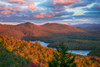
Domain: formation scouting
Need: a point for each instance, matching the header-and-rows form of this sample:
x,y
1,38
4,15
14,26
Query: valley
x,y
20,53
76,38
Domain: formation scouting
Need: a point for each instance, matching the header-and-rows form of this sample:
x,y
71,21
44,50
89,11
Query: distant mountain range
x,y
30,29
46,32
88,26
76,38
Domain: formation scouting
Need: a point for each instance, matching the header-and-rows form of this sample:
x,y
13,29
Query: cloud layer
x,y
50,11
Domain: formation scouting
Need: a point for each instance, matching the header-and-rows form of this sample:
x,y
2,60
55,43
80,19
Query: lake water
x,y
42,43
81,52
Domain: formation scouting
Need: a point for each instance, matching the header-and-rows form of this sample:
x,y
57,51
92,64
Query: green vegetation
x,y
62,59
74,37
20,53
81,45
78,44
8,59
35,53
95,52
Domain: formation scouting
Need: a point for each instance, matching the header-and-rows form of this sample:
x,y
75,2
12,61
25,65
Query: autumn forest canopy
x,y
20,53
63,25
16,50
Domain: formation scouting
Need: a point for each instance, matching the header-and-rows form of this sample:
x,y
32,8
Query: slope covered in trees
x,y
8,59
47,32
89,26
53,33
59,58
77,44
95,52
31,54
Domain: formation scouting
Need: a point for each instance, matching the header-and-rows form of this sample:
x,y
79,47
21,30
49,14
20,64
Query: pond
x,y
42,43
81,52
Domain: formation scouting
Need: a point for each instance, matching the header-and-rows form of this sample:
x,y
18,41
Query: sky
x,y
50,11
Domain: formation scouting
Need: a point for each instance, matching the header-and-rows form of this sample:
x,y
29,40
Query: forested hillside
x,y
48,32
22,53
53,33
89,26
77,44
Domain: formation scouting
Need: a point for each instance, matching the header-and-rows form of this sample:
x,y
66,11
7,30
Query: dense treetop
x,y
35,54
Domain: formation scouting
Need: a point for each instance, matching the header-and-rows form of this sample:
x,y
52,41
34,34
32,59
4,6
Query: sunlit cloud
x,y
8,23
65,2
17,1
58,11
32,6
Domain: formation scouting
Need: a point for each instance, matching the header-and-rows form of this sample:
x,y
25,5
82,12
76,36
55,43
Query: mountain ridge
x,y
89,26
49,30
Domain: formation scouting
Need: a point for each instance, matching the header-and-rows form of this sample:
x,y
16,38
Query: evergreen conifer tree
x,y
62,58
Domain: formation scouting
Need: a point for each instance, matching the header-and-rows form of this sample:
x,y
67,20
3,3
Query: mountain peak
x,y
28,23
50,23
56,24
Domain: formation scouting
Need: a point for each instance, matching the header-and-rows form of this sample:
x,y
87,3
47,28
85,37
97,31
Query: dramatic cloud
x,y
65,2
41,11
8,23
59,4
6,10
96,7
93,12
17,1
84,3
43,15
32,6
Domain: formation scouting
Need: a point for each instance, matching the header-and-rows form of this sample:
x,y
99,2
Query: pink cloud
x,y
9,23
10,11
18,10
8,8
59,7
43,15
32,6
6,12
18,1
48,14
65,2
74,23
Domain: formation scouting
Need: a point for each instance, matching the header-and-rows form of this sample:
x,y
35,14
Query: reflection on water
x,y
42,43
81,52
